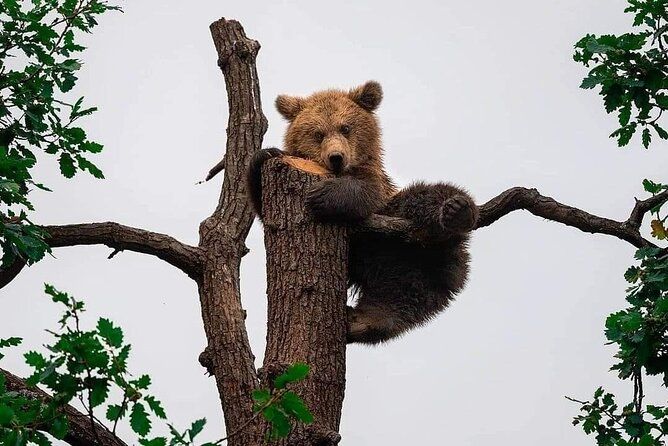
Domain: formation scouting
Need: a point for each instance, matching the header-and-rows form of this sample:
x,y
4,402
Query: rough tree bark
x,y
306,286
228,355
306,292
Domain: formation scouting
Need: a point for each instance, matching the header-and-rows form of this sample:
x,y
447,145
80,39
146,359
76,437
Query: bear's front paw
x,y
458,214
254,176
320,200
261,156
335,200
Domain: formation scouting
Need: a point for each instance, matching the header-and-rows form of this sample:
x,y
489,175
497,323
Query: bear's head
x,y
337,129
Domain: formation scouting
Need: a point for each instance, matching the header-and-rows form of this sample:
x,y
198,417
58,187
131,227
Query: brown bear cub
x,y
400,285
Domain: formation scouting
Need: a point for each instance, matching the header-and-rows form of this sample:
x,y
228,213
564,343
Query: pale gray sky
x,y
482,93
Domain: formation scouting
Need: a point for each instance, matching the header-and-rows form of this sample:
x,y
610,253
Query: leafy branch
x,y
640,333
89,366
38,65
632,71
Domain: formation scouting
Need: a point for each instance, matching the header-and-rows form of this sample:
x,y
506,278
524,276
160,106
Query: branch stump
x,y
307,278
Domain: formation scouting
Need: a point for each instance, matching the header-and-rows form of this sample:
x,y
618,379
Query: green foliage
x,y
632,71
38,67
87,365
281,407
640,333
91,365
613,426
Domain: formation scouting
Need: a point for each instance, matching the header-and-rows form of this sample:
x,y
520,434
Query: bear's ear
x,y
367,96
289,106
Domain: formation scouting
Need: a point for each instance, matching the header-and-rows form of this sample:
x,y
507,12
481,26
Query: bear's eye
x,y
345,129
319,136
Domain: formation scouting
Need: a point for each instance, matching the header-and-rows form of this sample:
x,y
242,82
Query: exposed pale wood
x,y
305,165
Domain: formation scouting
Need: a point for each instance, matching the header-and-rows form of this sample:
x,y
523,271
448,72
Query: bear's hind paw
x,y
457,214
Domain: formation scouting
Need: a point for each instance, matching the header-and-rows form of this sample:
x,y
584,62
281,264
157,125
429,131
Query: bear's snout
x,y
336,161
335,155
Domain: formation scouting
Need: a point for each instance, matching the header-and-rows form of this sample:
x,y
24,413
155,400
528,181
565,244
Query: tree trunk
x,y
307,290
228,355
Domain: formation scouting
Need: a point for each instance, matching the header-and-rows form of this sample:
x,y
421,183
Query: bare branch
x,y
118,237
215,170
125,238
642,207
541,206
80,432
8,274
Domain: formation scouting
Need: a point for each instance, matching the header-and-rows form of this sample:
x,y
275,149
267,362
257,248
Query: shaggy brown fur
x,y
399,285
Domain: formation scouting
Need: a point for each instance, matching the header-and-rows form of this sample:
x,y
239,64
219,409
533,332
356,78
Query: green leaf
x,y
59,427
6,415
139,420
114,412
99,390
280,424
155,406
624,115
10,342
91,147
113,335
90,167
646,138
293,405
66,165
651,186
142,382
632,274
295,372
196,428
663,134
261,396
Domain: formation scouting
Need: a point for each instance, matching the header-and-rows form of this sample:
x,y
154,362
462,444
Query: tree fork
x,y
306,290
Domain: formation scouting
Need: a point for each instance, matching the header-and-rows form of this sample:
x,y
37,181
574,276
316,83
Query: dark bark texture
x,y
306,291
228,354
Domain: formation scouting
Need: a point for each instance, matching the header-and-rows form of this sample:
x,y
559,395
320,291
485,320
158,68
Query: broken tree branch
x,y
8,274
215,170
222,237
80,431
306,298
541,206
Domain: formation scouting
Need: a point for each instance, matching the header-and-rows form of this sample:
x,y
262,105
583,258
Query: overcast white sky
x,y
482,93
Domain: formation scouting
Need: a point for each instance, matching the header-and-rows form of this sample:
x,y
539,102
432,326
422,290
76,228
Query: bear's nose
x,y
336,161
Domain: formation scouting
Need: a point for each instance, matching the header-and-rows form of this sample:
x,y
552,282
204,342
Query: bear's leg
x,y
436,207
374,320
254,176
344,199
368,324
